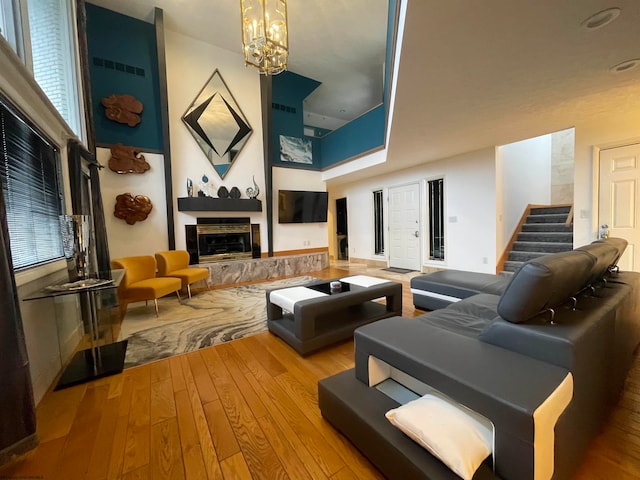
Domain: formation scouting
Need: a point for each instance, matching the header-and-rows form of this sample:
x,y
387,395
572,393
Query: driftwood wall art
x,y
132,209
125,159
123,109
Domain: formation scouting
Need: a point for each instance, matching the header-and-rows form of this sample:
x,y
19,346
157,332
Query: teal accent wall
x,y
362,134
391,29
289,91
123,60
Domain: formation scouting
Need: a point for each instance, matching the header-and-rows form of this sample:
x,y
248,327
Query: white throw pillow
x,y
447,431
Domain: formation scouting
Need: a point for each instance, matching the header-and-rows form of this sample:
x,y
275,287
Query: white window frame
x,y
73,93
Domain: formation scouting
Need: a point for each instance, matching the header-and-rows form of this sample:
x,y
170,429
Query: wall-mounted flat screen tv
x,y
296,206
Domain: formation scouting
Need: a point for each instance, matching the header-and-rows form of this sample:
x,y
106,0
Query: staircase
x,y
546,230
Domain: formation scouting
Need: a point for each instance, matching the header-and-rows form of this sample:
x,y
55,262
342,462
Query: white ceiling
x,y
478,74
340,43
472,74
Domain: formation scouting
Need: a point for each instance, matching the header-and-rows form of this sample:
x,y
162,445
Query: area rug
x,y
209,318
398,270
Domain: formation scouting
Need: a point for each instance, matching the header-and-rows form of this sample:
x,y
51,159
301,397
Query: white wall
x,y
608,129
190,63
470,206
296,236
525,178
141,238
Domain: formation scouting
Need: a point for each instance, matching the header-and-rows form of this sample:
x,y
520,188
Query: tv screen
x,y
296,206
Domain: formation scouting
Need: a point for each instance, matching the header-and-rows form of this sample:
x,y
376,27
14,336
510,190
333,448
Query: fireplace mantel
x,y
210,204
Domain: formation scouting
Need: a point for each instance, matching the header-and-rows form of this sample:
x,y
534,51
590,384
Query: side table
x,y
98,360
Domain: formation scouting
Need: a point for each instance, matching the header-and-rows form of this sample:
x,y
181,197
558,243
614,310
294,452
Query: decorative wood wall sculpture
x,y
125,159
132,209
123,109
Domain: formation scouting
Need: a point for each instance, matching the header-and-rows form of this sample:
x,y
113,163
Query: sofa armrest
x,y
507,388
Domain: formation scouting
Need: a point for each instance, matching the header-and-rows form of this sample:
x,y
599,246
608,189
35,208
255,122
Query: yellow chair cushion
x,y
151,288
171,260
140,281
190,275
175,263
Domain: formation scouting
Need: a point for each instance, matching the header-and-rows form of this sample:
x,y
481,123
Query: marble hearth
x,y
246,270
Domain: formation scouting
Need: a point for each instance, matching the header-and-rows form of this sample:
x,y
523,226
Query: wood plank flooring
x,y
246,409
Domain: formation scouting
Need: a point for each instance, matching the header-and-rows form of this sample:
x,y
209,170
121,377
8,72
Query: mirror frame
x,y
215,113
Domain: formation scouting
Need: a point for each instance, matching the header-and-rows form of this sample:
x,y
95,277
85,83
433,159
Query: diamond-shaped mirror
x,y
217,123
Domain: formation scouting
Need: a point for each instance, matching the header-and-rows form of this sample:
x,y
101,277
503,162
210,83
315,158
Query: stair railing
x,y
514,237
569,221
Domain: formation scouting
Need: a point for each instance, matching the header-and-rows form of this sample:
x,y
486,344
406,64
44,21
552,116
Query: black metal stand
x,y
109,360
98,360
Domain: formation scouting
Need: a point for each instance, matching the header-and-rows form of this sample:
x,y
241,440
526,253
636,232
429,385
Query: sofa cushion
x,y
543,283
619,244
483,305
460,284
445,430
606,256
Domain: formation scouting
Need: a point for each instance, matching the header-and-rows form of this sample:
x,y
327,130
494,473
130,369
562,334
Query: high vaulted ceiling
x,y
473,74
478,74
340,43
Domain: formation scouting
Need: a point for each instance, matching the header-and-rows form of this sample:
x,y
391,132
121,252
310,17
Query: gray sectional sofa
x,y
541,356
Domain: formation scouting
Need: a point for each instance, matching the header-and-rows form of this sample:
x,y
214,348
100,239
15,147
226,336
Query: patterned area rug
x,y
209,318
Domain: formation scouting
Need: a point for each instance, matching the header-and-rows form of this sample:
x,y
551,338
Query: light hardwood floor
x,y
244,409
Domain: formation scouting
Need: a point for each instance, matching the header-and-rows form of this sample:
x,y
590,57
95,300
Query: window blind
x,y
31,185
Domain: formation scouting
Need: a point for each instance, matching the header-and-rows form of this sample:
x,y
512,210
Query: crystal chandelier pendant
x,y
265,35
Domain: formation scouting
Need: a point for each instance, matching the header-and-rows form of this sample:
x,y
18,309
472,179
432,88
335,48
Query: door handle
x,y
417,234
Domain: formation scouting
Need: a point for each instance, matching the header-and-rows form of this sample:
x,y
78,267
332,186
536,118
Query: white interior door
x,y
404,227
618,199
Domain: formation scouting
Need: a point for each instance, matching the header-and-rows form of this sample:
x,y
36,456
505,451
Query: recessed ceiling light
x,y
600,19
342,110
625,66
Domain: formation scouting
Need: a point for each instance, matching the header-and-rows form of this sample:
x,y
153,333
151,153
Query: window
x,y
31,185
8,23
378,211
54,59
436,219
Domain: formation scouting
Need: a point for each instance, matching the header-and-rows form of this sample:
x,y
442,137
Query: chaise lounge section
x,y
542,362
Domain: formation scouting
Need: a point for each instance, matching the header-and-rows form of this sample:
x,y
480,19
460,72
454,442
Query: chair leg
x,y
155,300
189,290
178,294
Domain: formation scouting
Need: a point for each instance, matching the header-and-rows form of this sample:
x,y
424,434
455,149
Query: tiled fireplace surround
x,y
251,269
227,271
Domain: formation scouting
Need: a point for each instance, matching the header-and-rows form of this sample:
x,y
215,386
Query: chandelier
x,y
264,35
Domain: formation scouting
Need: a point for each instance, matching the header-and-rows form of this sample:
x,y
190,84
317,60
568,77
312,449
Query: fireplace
x,y
218,239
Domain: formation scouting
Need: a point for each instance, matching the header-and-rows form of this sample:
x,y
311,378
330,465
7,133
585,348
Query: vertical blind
x,y
31,185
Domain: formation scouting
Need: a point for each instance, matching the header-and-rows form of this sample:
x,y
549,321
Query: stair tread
x,y
528,242
548,237
547,225
552,208
547,218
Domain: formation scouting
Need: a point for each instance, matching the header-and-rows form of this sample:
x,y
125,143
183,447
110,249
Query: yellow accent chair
x,y
175,263
140,282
